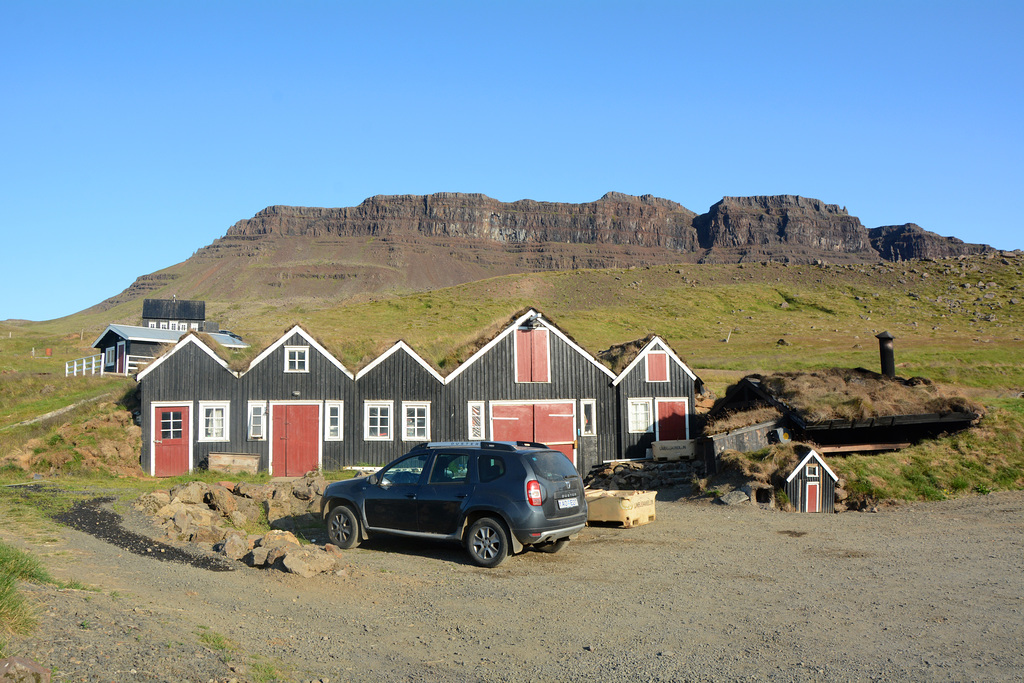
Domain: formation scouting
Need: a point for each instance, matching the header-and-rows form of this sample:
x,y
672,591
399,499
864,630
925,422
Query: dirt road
x,y
924,591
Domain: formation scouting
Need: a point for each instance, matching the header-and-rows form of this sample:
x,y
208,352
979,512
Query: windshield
x,y
552,465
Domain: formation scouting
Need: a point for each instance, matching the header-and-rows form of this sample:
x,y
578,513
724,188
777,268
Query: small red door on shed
x,y
296,447
813,497
171,440
552,424
671,419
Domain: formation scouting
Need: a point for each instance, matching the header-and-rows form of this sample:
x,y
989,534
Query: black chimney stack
x,y
885,351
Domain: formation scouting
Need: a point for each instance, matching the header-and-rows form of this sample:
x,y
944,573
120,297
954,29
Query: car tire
x,y
343,527
487,542
552,547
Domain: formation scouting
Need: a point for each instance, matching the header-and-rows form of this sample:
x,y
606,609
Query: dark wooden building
x,y
298,408
175,314
127,348
811,486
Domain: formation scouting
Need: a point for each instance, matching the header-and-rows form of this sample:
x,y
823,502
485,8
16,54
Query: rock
x,y
235,546
734,498
308,562
192,493
151,502
221,500
22,670
206,534
273,539
257,492
911,241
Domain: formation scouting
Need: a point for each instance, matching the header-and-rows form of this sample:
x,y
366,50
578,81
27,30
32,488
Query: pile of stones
x,y
644,475
216,516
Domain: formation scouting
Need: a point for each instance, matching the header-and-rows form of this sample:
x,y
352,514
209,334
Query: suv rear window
x,y
491,467
552,465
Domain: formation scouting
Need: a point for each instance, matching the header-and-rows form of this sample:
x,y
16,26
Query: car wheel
x,y
552,547
487,542
343,527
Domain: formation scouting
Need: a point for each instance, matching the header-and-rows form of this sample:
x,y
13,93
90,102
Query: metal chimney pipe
x,y
886,354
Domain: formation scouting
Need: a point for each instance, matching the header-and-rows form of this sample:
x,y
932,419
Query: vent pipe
x,y
886,354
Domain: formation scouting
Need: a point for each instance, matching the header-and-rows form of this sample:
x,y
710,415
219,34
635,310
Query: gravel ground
x,y
929,591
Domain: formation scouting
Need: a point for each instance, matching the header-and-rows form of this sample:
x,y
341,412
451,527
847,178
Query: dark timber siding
x,y
398,378
191,375
491,377
796,488
635,385
267,381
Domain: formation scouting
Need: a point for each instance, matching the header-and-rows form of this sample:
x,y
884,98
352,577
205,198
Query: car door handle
x,y
410,495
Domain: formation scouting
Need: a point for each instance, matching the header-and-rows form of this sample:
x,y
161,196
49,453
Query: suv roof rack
x,y
487,445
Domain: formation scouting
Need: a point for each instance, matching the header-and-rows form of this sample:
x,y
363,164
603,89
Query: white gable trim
x,y
643,354
401,346
529,315
189,339
309,340
811,454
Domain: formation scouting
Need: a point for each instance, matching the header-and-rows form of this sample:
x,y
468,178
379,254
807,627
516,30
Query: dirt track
x,y
926,591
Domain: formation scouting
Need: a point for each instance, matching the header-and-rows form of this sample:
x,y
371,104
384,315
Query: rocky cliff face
x,y
911,241
616,219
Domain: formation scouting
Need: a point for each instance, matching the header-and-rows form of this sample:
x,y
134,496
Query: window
x,y
194,326
657,366
170,424
333,425
812,471
640,415
152,324
163,324
296,359
173,325
377,421
214,420
476,421
491,468
405,471
587,410
109,355
450,468
532,361
257,421
417,422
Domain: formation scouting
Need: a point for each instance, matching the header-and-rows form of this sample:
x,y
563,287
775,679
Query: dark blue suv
x,y
494,497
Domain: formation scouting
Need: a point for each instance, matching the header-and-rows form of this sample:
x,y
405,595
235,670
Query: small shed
x,y
811,486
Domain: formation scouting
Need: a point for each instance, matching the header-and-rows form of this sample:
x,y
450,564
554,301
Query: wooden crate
x,y
673,450
628,508
234,463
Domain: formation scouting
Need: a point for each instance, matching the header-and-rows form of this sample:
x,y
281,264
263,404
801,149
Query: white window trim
x,y
406,405
593,415
305,361
263,426
480,435
163,324
815,474
203,406
390,405
650,414
152,324
110,355
328,405
194,326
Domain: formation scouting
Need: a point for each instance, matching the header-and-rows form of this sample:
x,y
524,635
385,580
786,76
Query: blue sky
x,y
137,132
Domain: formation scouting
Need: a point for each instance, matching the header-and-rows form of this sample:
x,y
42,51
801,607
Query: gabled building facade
x,y
298,408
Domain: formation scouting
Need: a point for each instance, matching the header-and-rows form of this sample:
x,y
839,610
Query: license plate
x,y
564,503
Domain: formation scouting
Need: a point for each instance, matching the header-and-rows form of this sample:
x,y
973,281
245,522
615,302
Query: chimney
x,y
885,351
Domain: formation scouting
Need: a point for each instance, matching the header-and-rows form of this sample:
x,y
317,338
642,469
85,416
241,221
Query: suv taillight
x,y
533,492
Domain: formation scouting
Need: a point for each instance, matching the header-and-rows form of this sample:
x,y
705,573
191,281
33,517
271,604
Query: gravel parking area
x,y
931,591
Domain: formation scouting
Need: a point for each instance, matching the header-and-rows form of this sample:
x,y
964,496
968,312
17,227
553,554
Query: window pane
x,y
170,425
588,420
476,420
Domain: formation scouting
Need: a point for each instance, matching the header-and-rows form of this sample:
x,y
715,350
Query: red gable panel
x,y
657,366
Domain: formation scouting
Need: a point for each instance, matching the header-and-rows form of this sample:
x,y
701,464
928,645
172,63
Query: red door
x,y
813,497
671,419
296,448
171,441
121,359
552,424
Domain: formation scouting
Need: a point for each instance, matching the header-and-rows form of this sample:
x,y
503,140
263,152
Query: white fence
x,y
93,365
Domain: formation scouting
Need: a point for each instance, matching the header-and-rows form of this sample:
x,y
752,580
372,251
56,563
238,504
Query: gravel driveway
x,y
930,591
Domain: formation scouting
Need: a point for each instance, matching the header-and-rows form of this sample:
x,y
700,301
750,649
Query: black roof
x,y
173,309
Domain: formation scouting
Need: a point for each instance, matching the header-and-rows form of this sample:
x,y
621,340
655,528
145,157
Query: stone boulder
x,y
308,561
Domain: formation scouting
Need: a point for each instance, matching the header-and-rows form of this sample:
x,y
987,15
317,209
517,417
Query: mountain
x,y
396,243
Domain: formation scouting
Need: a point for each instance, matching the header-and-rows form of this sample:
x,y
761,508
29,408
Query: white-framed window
x,y
194,326
213,420
377,420
477,431
588,414
163,324
173,325
296,359
415,421
152,324
109,355
257,420
333,421
812,471
640,415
